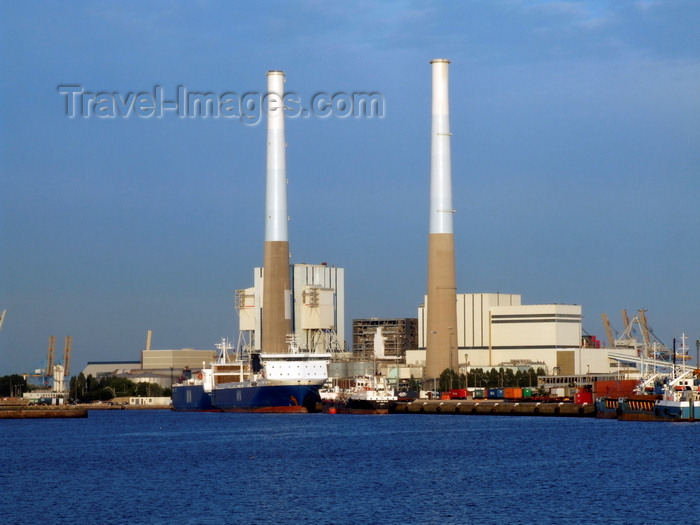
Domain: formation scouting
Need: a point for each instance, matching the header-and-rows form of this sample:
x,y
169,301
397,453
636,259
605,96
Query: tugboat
x,y
370,395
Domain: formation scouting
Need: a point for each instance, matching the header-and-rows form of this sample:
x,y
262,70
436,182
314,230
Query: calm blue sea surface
x,y
153,466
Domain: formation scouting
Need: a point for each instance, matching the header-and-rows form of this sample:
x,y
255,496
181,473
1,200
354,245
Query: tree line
x,y
88,389
478,378
13,385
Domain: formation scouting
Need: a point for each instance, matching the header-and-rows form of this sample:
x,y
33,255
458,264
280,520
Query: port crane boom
x,y
608,330
49,356
66,355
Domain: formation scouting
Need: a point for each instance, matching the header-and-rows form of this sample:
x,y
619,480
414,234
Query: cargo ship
x,y
607,407
287,382
193,394
609,393
263,383
370,395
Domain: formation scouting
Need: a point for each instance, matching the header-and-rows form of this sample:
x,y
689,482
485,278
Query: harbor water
x,y
156,466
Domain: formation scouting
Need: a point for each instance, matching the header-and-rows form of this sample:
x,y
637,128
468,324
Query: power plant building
x,y
399,334
317,308
494,328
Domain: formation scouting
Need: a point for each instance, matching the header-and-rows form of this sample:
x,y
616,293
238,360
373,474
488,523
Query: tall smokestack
x,y
276,311
441,310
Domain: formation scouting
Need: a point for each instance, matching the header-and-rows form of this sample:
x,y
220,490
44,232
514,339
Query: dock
x,y
25,412
495,408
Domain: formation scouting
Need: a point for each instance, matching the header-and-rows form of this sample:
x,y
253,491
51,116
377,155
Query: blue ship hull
x,y
675,412
192,398
267,398
637,408
607,408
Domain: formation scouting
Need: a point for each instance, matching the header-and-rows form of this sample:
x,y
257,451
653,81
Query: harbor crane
x,y
49,356
645,326
638,325
651,352
625,318
66,355
608,329
56,371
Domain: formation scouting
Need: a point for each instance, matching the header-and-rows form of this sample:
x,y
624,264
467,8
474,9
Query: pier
x,y
24,412
495,408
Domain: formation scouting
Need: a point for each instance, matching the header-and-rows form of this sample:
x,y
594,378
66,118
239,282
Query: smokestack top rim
x,y
440,60
275,72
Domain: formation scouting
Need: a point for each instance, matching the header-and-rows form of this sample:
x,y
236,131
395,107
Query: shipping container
x,y
581,398
499,393
492,393
527,392
458,393
512,393
557,392
445,395
408,395
478,393
615,388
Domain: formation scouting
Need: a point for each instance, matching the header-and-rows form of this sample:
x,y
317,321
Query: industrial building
x,y
316,306
176,359
399,336
100,369
495,329
162,367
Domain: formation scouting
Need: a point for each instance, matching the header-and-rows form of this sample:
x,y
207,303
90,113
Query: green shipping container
x,y
478,394
527,392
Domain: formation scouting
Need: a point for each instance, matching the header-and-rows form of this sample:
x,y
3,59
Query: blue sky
x,y
575,163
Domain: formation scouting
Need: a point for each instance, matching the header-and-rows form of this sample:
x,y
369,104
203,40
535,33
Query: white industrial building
x,y
494,329
316,307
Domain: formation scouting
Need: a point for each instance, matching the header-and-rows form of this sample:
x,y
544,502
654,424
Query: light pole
x,y
435,378
449,340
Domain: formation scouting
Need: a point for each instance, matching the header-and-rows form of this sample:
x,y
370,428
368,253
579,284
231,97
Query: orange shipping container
x,y
512,393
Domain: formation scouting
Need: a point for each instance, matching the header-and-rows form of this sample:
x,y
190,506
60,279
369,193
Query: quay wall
x,y
488,408
41,413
